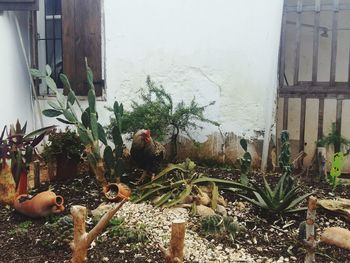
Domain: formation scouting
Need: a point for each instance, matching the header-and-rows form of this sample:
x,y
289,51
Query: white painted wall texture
x,y
225,50
14,87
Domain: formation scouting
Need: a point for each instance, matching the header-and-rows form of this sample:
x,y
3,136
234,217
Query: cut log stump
x,y
82,239
175,252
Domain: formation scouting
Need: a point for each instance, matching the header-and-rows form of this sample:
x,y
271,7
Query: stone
x,y
221,210
203,211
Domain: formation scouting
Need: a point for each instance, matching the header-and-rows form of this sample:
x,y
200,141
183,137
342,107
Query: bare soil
x,y
268,235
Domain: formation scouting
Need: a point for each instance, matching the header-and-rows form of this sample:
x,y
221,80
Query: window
x,y
69,31
19,5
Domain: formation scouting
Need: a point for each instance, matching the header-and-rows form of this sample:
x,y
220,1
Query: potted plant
x,y
19,148
65,150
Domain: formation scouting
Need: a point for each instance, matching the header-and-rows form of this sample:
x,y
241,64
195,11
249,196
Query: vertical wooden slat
x,y
68,41
88,43
338,114
320,118
302,124
316,40
285,114
283,47
297,42
334,42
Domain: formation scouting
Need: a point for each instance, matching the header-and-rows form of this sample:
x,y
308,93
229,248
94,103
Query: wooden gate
x,y
314,76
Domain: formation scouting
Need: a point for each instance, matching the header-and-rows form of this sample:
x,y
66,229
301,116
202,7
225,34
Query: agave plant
x,y
178,182
245,162
284,198
91,132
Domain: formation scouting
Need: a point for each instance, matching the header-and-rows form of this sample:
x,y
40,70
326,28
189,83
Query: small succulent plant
x,y
218,225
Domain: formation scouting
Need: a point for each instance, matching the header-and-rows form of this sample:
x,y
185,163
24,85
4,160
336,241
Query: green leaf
x,y
119,167
163,199
117,137
54,105
186,192
71,97
243,143
28,154
48,70
65,121
108,157
84,136
101,134
215,196
36,73
168,169
39,131
92,101
51,113
94,126
222,182
51,84
116,108
69,116
150,193
85,118
65,81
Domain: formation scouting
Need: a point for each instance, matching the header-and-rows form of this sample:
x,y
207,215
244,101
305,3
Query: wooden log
x,y
310,240
175,252
36,174
82,240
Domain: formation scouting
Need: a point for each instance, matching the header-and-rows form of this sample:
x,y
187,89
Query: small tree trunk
x,y
175,252
82,240
310,230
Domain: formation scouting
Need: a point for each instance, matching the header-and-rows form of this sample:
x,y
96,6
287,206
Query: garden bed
x,y
268,238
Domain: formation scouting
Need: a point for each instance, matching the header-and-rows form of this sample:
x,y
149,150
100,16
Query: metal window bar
x,y
54,18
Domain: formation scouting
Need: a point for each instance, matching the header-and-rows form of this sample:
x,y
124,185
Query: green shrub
x,y
67,144
177,182
157,112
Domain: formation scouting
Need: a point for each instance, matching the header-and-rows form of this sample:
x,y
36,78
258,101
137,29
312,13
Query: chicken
x,y
146,153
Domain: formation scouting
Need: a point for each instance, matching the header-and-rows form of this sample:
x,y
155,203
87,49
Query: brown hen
x,y
146,153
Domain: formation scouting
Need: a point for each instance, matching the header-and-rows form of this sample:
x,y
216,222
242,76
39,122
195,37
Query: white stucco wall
x,y
224,50
14,85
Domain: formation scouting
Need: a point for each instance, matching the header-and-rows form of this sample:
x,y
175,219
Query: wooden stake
x,y
310,230
175,252
36,174
82,240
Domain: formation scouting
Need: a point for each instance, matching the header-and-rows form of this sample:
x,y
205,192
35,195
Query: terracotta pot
x,y
7,185
66,168
117,192
40,205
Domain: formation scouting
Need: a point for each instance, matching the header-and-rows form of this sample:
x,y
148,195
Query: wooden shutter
x,y
19,5
81,37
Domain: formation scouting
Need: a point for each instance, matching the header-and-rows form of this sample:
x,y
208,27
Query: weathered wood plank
x,y
320,118
285,114
297,43
334,45
302,124
88,43
316,40
283,49
68,41
338,114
